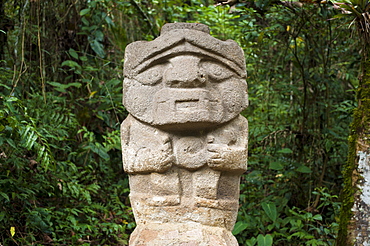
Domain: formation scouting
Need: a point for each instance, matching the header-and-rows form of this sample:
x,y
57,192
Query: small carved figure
x,y
184,143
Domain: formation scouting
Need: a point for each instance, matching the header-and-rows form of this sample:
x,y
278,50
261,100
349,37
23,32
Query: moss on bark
x,y
358,141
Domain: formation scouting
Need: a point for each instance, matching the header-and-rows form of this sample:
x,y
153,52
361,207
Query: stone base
x,y
178,234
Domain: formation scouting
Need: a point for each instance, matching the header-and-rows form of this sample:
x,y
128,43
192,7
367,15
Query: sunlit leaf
x,y
73,53
84,12
239,227
317,217
304,169
275,165
286,151
71,64
264,240
92,94
270,210
12,231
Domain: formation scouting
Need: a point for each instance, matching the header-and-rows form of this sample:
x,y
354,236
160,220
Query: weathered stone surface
x,y
179,234
184,143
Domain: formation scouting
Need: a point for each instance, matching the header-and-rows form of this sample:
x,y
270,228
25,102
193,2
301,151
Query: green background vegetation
x,y
61,177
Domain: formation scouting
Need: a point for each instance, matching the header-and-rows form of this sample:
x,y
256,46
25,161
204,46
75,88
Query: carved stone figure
x,y
184,143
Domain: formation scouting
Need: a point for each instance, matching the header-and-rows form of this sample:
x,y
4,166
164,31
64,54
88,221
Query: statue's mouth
x,y
179,105
185,105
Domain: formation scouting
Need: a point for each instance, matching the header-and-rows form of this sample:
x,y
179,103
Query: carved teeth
x,y
179,105
185,105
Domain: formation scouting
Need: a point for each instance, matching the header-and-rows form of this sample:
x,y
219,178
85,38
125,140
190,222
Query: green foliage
x,y
261,223
61,182
301,79
54,188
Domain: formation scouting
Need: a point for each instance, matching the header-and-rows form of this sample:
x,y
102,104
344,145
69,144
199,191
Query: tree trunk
x,y
2,29
355,213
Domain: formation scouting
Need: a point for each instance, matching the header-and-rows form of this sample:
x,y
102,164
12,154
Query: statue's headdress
x,y
183,38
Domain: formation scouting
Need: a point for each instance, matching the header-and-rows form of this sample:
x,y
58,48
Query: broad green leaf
x,y
109,21
97,47
239,227
264,240
85,21
83,58
270,210
304,169
5,196
275,165
286,151
62,87
11,99
317,217
73,53
75,84
270,227
99,35
302,235
84,12
71,64
251,242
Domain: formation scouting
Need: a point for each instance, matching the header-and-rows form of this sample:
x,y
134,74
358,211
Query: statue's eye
x,y
216,71
152,75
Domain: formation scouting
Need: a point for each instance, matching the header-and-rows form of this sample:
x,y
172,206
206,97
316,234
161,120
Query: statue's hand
x,y
150,157
223,157
217,154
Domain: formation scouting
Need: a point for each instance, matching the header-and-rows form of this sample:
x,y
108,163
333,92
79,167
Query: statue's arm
x,y
143,151
227,146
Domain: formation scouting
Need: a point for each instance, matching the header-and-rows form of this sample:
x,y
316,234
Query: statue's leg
x,y
150,191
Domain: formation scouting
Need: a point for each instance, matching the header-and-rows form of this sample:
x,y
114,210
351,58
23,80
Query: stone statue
x,y
184,143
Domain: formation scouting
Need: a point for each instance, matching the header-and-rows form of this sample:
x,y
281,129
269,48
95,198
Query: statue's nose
x,y
185,72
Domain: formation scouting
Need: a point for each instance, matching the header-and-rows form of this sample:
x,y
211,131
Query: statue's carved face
x,y
191,90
